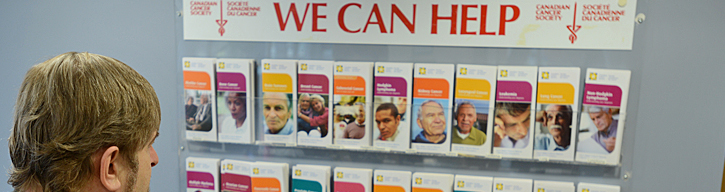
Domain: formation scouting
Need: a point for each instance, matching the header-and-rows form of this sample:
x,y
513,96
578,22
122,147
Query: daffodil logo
x,y
221,65
339,68
504,73
230,166
585,190
379,178
191,164
592,76
418,180
381,69
266,66
464,71
255,171
298,172
499,186
187,64
545,75
339,175
540,190
421,71
461,184
304,67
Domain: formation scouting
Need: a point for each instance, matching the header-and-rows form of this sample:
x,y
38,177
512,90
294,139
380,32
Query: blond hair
x,y
68,108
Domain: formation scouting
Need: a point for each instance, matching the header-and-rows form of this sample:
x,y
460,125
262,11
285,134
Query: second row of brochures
x,y
203,174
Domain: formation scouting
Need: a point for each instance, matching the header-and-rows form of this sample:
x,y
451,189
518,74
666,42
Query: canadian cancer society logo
x,y
191,164
593,76
421,71
340,175
298,172
461,184
504,73
221,65
379,178
266,66
464,71
544,75
418,181
381,69
187,64
339,68
303,66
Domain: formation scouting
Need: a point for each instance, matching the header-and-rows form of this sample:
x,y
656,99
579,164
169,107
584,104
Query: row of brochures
x,y
213,175
491,111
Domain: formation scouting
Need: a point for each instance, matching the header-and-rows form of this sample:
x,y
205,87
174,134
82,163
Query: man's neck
x,y
463,132
513,140
435,138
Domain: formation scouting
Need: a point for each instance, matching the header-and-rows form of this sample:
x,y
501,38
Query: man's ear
x,y
109,172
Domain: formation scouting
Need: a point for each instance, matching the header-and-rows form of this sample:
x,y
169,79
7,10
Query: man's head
x,y
466,117
276,110
515,117
237,105
558,121
360,107
304,101
431,118
204,99
402,104
318,103
601,116
387,119
83,122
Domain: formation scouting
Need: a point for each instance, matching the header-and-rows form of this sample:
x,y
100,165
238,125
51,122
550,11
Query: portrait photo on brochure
x,y
430,121
350,116
470,120
390,117
312,115
232,112
511,125
553,127
198,110
277,111
598,129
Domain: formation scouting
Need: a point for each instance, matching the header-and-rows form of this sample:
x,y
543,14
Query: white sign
x,y
567,24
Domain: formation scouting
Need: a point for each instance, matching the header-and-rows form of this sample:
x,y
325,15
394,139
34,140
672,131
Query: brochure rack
x,y
449,163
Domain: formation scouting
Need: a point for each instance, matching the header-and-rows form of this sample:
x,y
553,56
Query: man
x,y
557,119
465,133
402,104
237,105
356,129
304,110
83,122
202,119
387,119
432,120
276,111
512,125
320,115
606,135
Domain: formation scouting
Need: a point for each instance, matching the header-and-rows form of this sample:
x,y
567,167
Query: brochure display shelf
x,y
408,160
372,158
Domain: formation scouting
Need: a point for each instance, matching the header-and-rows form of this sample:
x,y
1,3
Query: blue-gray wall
x,y
676,107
